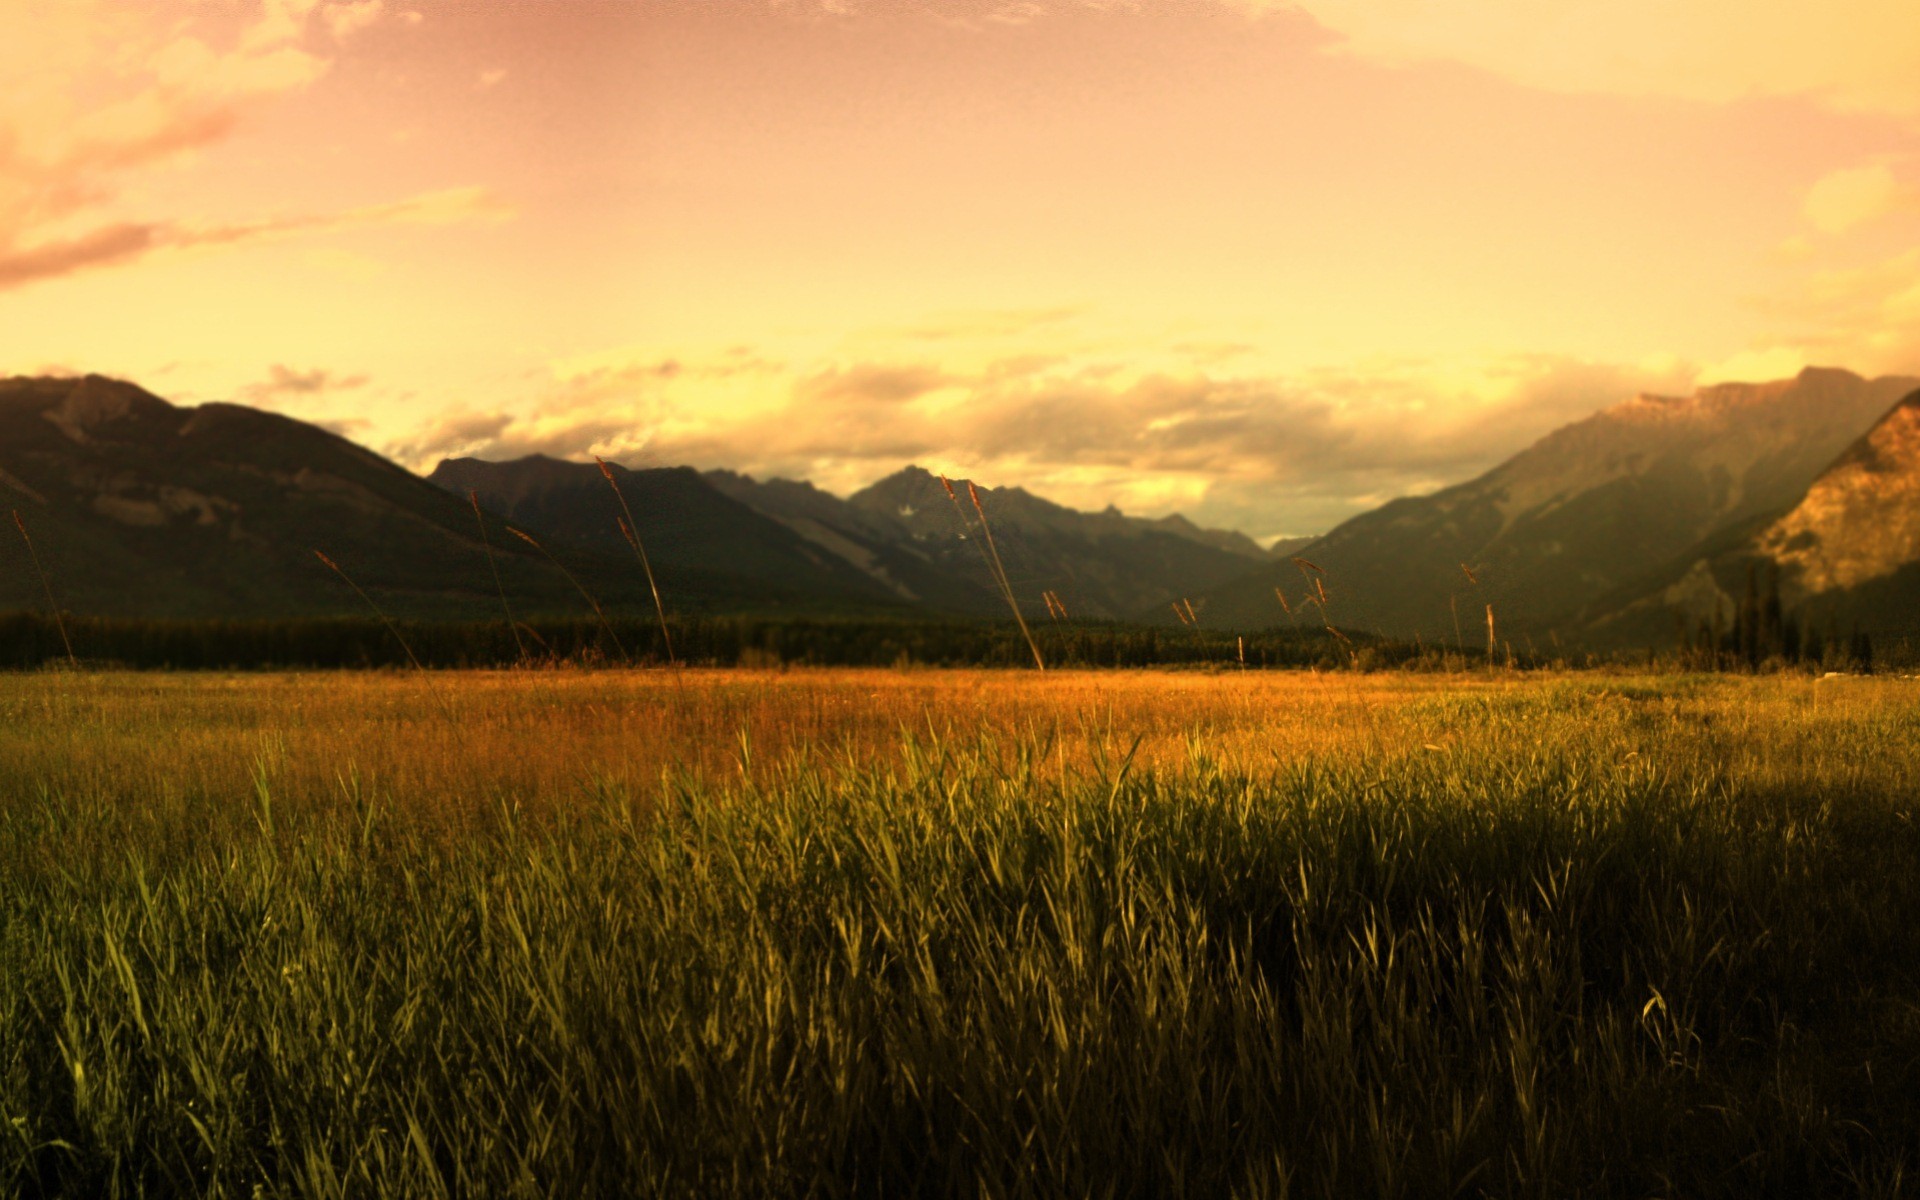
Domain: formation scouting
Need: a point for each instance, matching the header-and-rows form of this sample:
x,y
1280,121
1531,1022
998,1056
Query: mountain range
x,y
1599,533
903,543
139,507
1588,533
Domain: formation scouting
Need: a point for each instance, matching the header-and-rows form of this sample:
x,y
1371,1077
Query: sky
x,y
1268,264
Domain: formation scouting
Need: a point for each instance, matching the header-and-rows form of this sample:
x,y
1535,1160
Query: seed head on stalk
x,y
384,619
994,565
577,585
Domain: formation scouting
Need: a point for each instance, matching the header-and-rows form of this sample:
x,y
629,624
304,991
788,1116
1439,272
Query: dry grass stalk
x,y
1453,604
1177,613
632,533
1490,638
513,626
578,586
53,607
961,516
377,611
533,633
1306,566
1193,618
994,565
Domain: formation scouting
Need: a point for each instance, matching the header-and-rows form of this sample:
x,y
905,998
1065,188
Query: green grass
x,y
927,935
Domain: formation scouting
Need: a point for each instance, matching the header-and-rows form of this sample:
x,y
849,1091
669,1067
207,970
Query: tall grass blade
x,y
53,606
377,611
599,612
998,569
632,532
513,626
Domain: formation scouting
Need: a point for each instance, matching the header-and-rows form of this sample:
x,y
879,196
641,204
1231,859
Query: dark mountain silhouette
x,y
142,508
906,532
706,548
1103,564
1599,507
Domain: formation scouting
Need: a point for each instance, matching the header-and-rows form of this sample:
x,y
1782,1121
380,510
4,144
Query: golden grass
x,y
548,739
958,933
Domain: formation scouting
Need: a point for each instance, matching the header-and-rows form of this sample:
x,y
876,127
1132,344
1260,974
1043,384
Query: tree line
x,y
1761,632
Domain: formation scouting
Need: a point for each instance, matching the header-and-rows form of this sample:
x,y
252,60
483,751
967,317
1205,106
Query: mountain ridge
x,y
1582,512
1602,530
139,507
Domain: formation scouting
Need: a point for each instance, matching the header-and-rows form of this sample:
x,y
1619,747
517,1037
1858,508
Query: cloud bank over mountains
x,y
1270,454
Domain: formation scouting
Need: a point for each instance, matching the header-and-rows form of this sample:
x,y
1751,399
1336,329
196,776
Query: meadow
x,y
937,933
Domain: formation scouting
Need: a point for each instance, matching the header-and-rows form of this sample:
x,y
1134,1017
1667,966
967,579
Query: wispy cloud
x,y
116,244
1264,452
1867,316
100,92
285,383
346,19
1848,199
1854,55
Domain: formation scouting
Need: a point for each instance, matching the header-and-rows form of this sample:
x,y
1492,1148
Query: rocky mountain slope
x,y
138,507
1587,511
1847,553
1860,521
875,544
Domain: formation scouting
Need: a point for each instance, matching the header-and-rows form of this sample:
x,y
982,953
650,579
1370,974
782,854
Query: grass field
x,y
931,933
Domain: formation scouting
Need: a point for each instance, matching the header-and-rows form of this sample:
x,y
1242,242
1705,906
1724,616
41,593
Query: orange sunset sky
x,y
1265,263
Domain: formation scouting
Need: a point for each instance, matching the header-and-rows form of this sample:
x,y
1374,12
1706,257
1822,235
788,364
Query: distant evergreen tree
x,y
1746,622
1813,647
1773,618
1861,650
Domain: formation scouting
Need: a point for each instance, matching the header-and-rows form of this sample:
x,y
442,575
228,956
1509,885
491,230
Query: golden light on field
x,y
1268,263
557,741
